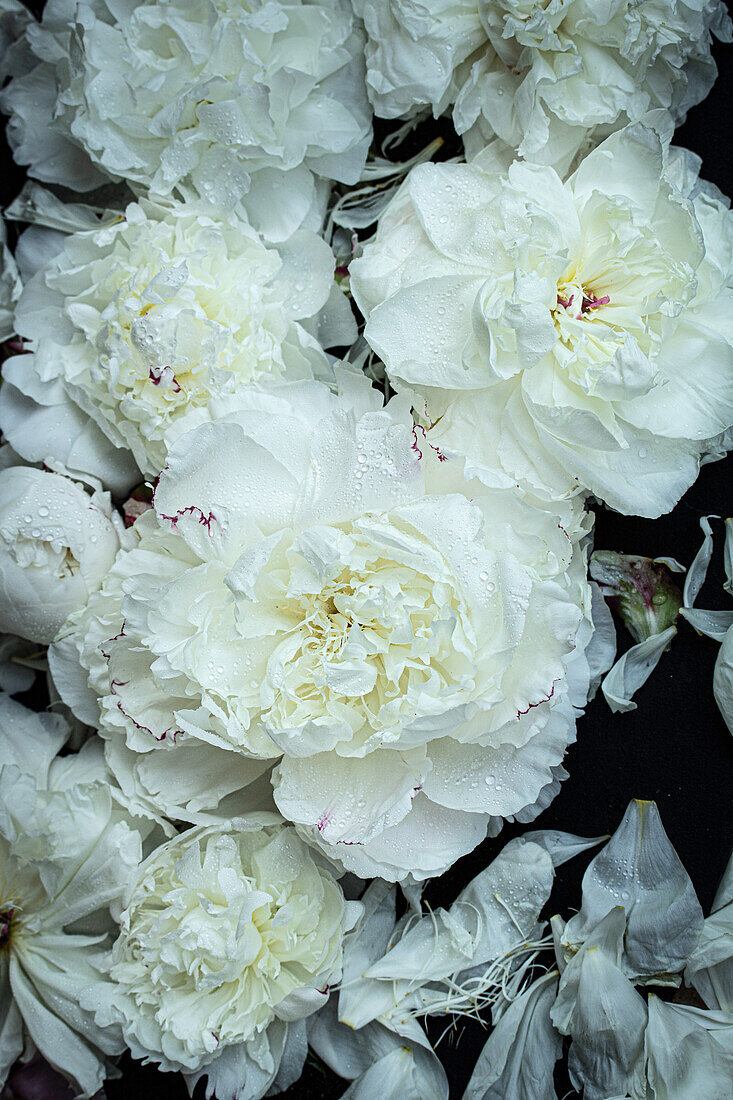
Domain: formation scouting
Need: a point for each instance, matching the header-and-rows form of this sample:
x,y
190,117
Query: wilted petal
x,y
403,1074
640,871
506,898
689,1053
723,680
607,1029
562,846
634,669
710,966
519,1058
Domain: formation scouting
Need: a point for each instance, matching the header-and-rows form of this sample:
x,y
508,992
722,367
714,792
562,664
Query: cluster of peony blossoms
x,y
295,521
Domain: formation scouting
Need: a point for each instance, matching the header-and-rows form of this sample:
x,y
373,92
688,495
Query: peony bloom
x,y
226,936
213,99
317,587
546,79
56,546
144,321
547,328
65,853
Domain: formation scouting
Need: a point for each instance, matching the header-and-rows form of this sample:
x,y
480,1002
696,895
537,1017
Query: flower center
x,y
577,301
36,552
6,926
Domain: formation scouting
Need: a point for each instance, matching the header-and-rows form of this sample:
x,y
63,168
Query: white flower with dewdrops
x,y
143,322
253,103
65,854
57,543
546,327
316,586
228,935
544,78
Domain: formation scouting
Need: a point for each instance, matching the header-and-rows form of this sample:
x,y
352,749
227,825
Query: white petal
x,y
404,1074
689,1052
349,800
633,669
607,1029
563,846
723,680
519,1058
59,1045
507,898
44,425
208,503
425,843
640,870
697,572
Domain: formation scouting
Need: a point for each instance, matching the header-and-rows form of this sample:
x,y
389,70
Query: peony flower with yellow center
x,y
565,335
322,602
143,322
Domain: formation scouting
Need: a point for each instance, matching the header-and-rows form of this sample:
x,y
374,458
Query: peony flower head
x,y
317,587
65,853
547,327
224,101
546,79
223,931
56,545
142,322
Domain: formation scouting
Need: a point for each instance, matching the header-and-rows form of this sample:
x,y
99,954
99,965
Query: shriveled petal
x,y
689,1053
607,1029
633,669
519,1057
506,898
639,870
723,679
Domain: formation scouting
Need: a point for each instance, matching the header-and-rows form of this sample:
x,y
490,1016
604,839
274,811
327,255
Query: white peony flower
x,y
141,323
226,936
544,78
317,586
65,853
231,102
57,544
548,327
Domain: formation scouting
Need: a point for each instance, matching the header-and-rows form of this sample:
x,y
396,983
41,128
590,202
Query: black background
x,y
675,748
